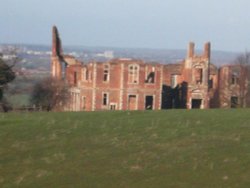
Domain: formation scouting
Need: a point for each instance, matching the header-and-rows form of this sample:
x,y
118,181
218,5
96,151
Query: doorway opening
x,y
196,103
234,102
149,101
132,102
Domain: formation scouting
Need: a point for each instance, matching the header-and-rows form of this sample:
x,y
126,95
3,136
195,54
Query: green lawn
x,y
147,149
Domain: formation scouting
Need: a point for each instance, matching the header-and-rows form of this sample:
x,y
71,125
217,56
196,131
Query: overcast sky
x,y
167,24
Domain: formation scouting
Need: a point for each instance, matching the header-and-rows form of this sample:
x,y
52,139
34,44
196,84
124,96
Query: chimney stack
x,y
191,50
207,50
56,43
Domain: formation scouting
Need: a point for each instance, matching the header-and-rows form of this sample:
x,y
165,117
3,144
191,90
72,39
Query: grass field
x,y
147,149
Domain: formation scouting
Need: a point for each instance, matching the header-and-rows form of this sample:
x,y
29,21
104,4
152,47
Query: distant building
x,y
106,54
131,84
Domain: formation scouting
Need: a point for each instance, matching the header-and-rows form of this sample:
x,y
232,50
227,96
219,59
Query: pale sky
x,y
166,24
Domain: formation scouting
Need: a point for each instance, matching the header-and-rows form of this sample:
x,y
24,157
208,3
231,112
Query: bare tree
x,y
50,94
6,75
243,59
244,78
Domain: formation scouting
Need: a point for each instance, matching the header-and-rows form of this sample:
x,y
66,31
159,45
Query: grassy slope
x,y
176,148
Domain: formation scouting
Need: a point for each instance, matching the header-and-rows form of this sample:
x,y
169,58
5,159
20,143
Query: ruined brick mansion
x,y
131,84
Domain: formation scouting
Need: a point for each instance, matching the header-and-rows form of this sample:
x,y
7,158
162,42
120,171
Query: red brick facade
x,y
129,84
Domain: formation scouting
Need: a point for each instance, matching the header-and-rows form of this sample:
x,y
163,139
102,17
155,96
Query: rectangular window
x,y
235,78
85,74
64,67
198,75
133,74
106,73
75,78
150,78
112,106
105,76
174,80
150,74
210,83
105,99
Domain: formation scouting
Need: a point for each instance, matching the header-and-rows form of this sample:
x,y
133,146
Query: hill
x,y
176,148
39,55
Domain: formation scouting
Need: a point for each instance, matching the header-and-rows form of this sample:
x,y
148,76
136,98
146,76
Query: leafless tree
x,y
50,94
243,59
244,80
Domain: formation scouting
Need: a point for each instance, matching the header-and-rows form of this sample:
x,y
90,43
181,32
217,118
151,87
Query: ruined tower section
x,y
196,74
233,86
56,59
